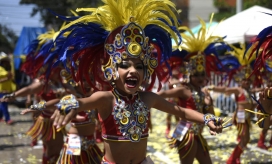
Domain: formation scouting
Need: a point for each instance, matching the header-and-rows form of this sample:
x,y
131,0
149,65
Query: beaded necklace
x,y
198,98
131,115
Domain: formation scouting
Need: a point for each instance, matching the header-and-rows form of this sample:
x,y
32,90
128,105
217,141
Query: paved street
x,y
15,146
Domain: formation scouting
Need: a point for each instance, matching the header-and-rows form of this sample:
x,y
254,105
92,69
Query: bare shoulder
x,y
150,98
102,95
103,101
147,95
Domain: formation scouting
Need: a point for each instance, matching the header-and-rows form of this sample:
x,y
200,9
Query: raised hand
x,y
66,111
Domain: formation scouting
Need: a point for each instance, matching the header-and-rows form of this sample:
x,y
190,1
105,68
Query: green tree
x,y
61,7
8,39
225,10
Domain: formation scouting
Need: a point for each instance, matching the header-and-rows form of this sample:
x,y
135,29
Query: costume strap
x,y
40,106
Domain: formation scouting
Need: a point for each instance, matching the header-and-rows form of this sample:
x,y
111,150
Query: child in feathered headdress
x,y
123,45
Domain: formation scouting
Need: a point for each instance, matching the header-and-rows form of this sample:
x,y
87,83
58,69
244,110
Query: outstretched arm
x,y
225,90
49,106
33,88
98,100
184,113
255,90
172,93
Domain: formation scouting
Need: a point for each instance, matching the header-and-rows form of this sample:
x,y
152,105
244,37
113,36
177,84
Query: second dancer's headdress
x,y
200,52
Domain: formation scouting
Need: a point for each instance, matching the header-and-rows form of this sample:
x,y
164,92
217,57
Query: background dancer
x,y
200,57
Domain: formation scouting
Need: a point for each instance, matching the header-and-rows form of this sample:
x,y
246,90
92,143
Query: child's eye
x,y
123,66
139,67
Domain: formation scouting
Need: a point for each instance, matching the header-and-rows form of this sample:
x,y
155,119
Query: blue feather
x,y
217,48
230,62
32,47
81,36
262,36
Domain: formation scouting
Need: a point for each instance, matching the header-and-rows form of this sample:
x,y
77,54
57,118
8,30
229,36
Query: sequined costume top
x,y
194,102
128,120
244,97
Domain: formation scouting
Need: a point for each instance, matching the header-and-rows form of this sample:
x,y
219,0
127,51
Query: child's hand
x,y
215,127
26,111
61,120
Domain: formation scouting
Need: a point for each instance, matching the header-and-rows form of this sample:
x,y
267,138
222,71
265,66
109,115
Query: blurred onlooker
x,y
7,86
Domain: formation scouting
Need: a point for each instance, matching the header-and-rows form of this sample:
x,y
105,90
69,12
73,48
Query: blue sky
x,y
16,16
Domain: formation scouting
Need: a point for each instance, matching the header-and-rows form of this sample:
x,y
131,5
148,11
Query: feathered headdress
x,y
200,53
120,29
266,72
261,49
42,55
37,52
240,65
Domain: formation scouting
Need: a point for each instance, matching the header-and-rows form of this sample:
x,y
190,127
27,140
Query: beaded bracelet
x,y
40,106
209,117
67,103
11,95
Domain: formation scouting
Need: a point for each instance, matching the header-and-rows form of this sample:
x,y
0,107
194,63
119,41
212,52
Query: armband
x,y
40,106
11,95
209,117
67,103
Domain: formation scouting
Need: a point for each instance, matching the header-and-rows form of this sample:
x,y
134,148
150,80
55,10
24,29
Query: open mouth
x,y
131,82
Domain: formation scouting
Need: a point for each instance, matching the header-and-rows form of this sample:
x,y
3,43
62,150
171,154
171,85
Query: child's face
x,y
131,74
198,79
245,83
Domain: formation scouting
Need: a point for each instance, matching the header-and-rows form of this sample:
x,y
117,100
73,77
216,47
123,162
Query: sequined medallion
x,y
131,116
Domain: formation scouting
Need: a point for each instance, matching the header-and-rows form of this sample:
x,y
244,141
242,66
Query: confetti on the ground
x,y
15,145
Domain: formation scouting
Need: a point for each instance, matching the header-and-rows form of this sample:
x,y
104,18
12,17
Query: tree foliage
x,y
225,10
8,39
61,7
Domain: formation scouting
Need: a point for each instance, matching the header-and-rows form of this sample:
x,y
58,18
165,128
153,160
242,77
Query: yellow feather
x,y
243,58
203,38
116,13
